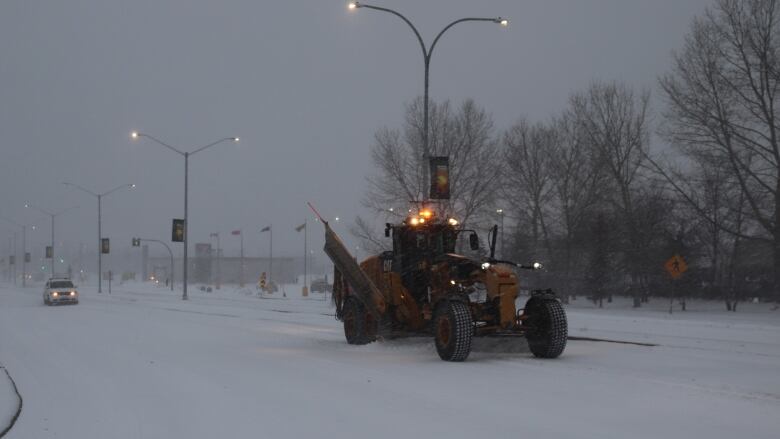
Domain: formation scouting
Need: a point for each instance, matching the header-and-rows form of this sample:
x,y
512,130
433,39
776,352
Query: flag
x,y
235,232
265,229
301,227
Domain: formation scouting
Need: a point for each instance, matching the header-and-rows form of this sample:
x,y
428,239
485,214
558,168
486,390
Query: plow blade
x,y
361,285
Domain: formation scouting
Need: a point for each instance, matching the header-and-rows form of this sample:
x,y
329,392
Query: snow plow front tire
x,y
548,328
453,328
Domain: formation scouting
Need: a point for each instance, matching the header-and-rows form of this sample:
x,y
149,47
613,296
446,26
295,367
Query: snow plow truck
x,y
423,287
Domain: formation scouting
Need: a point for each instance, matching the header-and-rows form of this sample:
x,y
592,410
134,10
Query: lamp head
x,y
353,5
502,21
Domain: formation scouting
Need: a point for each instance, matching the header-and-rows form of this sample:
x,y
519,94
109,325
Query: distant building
x,y
204,269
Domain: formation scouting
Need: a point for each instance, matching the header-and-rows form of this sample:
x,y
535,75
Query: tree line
x,y
605,192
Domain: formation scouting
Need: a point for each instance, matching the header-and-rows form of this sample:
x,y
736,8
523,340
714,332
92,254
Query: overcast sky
x,y
304,83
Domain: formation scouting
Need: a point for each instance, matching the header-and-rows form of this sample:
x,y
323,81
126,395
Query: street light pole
x,y
427,52
52,215
24,250
501,213
99,197
186,155
15,262
186,212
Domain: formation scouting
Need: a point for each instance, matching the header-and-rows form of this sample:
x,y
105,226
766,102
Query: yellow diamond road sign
x,y
676,266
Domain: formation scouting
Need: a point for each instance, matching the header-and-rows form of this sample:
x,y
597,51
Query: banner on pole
x,y
177,232
440,178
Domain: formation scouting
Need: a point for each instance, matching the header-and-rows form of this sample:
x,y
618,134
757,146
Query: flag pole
x,y
305,258
219,262
241,275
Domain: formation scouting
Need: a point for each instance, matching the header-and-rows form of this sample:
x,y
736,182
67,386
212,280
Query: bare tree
x,y
615,123
465,135
722,102
579,183
527,182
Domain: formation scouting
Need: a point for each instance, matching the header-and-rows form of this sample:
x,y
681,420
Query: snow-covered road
x,y
142,363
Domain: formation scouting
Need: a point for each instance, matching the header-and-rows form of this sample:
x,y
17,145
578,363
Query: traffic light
x,y
49,252
177,234
105,246
136,242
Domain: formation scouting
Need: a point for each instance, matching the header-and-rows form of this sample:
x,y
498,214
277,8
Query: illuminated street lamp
x,y
427,52
186,155
99,197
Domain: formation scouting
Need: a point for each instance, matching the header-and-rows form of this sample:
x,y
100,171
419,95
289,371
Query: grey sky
x,y
304,83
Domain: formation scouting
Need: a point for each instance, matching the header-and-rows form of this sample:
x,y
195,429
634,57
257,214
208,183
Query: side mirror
x,y
474,241
387,229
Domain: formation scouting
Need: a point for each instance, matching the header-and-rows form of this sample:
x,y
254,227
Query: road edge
x,y
18,409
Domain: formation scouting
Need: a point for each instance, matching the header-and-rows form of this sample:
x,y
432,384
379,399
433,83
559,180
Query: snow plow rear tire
x,y
359,324
548,327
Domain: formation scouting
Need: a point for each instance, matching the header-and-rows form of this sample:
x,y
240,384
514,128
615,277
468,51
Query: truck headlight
x,y
72,293
55,294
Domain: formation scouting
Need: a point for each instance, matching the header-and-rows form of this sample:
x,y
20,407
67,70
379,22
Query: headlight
x,y
72,293
55,294
485,265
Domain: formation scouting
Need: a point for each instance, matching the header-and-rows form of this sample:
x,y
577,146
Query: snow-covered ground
x,y
142,363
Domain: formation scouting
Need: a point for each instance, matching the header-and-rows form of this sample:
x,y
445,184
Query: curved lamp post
x,y
100,233
186,155
427,52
